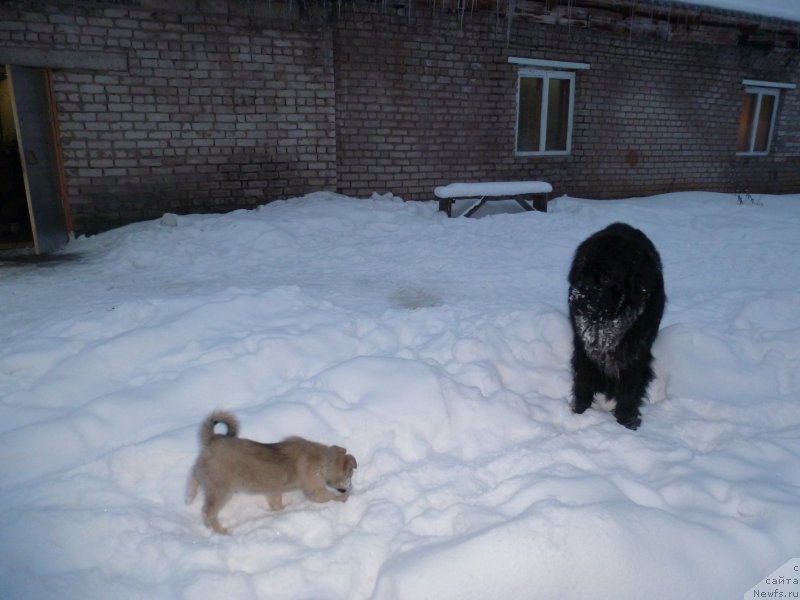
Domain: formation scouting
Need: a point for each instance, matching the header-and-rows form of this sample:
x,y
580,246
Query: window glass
x,y
761,142
530,114
557,114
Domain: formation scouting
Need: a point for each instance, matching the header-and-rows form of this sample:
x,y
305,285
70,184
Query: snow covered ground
x,y
437,351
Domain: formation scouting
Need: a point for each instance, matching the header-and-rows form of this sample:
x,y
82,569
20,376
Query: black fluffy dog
x,y
616,300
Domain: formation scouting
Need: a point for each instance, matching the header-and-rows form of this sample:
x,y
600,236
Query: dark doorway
x,y
15,222
32,199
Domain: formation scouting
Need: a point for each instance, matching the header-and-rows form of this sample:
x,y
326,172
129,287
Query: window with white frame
x,y
545,102
757,119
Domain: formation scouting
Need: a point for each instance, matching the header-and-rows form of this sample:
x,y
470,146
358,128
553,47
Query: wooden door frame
x,y
55,146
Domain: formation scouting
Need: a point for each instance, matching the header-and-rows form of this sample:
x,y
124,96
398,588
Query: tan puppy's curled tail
x,y
218,416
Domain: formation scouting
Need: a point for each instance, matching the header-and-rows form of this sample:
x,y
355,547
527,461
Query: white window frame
x,y
761,89
546,70
759,93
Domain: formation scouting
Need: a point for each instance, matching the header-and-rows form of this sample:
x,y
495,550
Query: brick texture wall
x,y
228,104
434,101
427,103
215,110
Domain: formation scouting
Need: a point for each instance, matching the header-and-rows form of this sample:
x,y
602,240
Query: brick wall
x,y
225,104
425,105
434,101
214,111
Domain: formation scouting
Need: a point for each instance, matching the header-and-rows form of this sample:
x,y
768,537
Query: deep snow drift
x,y
437,351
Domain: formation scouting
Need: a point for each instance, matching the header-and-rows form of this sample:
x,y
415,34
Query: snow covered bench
x,y
493,190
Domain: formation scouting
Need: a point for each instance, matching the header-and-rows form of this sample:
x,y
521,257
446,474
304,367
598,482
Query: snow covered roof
x,y
760,23
779,9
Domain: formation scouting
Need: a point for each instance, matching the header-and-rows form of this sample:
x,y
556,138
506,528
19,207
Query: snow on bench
x,y
493,190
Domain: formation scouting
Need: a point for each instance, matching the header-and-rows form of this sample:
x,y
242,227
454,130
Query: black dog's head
x,y
613,273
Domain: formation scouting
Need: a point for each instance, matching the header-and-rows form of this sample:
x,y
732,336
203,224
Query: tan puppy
x,y
228,464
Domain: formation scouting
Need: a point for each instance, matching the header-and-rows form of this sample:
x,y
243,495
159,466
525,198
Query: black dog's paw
x,y
581,400
579,409
632,422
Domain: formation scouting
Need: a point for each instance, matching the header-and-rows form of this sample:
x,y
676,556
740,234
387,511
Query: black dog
x,y
616,300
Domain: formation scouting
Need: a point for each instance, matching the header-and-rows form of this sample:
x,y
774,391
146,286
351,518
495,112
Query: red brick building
x,y
211,105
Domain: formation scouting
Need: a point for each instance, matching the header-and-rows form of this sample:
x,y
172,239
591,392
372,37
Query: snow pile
x,y
437,351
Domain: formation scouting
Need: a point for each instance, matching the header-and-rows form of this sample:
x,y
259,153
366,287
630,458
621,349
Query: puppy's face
x,y
339,469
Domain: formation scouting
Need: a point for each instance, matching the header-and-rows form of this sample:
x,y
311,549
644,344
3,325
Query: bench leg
x,y
524,204
539,203
475,208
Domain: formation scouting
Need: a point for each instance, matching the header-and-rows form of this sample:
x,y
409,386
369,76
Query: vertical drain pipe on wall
x,y
55,135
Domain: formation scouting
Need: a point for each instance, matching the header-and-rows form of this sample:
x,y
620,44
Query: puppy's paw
x,y
220,529
276,501
213,523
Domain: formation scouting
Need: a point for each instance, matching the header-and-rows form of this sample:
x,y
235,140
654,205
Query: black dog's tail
x,y
218,416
